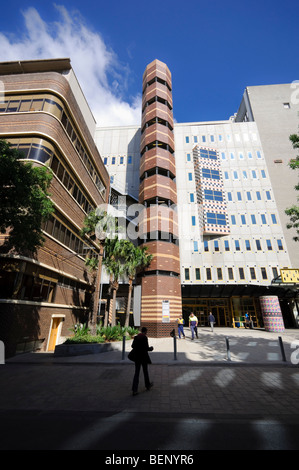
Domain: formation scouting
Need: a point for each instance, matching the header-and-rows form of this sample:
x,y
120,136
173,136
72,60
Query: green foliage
x,y
293,212
24,200
103,334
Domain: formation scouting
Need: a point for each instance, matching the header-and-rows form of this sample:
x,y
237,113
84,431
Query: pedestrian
x,y
211,320
181,323
193,325
247,320
141,357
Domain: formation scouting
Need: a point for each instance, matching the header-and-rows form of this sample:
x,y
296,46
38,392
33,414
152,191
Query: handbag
x,y
132,355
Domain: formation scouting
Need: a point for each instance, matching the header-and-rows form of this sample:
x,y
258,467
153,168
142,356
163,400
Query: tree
x,y
293,212
24,201
136,259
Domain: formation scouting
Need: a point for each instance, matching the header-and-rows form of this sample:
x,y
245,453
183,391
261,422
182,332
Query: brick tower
x,y
161,287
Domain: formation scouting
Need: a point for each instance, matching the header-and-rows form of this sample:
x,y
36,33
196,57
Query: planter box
x,y
83,349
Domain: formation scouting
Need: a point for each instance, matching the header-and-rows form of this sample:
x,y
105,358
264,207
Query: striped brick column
x,y
161,288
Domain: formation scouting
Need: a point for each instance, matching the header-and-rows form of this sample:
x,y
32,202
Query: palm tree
x,y
136,259
114,263
91,223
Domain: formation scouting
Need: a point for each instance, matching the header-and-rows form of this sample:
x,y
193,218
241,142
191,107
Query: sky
x,y
214,49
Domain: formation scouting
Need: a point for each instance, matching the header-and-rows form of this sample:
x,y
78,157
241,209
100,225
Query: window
x,y
220,138
268,195
247,245
230,274
212,138
219,274
187,140
197,274
241,156
130,159
233,219
193,220
279,244
121,160
195,139
187,274
237,245
258,154
239,196
229,196
269,245
105,160
226,175
248,194
195,245
113,161
263,173
223,155
264,220
203,138
258,245
243,219
275,272
253,172
252,273
241,273
190,176
188,157
232,156
216,245
226,245
264,273
215,218
206,245
253,219
244,173
209,173
273,217
236,175
208,274
258,195
212,195
286,105
191,197
249,155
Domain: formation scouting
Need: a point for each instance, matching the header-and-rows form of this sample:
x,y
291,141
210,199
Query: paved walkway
x,y
200,400
233,345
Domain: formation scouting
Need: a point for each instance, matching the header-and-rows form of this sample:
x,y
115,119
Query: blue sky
x,y
214,49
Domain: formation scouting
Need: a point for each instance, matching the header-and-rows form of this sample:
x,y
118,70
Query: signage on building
x,y
290,275
165,311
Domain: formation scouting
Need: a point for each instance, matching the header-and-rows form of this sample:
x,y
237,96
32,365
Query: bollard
x,y
282,349
174,347
227,348
124,348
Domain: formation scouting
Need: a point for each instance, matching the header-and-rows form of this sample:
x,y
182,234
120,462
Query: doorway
x,y
56,325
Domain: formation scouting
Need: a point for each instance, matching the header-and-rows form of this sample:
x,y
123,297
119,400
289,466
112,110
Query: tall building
x,y
232,184
44,114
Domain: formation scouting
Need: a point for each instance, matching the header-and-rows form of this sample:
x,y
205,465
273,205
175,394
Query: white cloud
x,y
101,75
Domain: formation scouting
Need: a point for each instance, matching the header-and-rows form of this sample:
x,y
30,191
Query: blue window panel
x,y
208,173
121,160
269,245
248,195
273,217
237,245
191,197
105,161
258,195
113,160
243,219
130,159
263,173
190,176
263,217
213,195
253,219
193,220
280,245
247,244
229,196
268,195
233,219
195,246
187,140
226,245
188,157
258,245
206,245
215,218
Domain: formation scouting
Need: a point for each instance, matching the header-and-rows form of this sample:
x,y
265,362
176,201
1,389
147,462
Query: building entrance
x,y
202,307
